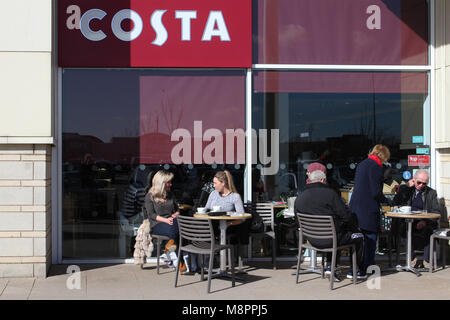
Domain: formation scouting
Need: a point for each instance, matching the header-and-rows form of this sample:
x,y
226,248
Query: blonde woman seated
x,y
225,195
162,210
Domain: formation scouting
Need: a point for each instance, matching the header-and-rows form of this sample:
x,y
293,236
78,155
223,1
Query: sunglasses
x,y
419,183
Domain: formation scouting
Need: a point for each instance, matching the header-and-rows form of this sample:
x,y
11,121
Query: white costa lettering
x,y
126,35
216,17
215,25
185,17
161,32
85,24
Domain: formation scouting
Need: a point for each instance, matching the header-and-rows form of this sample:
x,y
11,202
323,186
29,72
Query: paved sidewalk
x,y
127,281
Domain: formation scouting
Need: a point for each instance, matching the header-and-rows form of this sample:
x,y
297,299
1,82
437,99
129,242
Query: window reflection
x,y
117,127
335,118
369,32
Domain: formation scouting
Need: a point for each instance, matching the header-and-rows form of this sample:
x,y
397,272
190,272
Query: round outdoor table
x,y
409,219
223,233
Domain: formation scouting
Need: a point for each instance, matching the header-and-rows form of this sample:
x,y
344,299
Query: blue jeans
x,y
164,229
370,247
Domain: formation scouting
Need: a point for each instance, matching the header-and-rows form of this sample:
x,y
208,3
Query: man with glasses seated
x,y
419,196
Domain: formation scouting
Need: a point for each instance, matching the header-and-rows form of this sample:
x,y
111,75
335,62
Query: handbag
x,y
144,246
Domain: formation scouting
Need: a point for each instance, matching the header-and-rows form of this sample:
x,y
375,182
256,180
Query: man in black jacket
x,y
319,199
420,197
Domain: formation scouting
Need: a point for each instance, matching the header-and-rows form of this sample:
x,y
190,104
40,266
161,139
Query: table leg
x,y
223,254
408,252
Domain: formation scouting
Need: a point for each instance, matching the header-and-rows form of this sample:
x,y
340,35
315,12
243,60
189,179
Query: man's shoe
x,y
170,246
359,275
426,265
413,263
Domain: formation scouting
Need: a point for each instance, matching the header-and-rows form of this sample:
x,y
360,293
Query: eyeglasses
x,y
419,183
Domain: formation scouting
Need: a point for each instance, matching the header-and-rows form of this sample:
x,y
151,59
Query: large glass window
x,y
335,118
120,125
362,32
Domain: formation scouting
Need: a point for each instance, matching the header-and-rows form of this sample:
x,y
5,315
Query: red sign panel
x,y
418,160
157,33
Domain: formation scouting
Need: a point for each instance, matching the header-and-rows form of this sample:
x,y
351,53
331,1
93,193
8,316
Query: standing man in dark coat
x,y
366,198
319,199
420,197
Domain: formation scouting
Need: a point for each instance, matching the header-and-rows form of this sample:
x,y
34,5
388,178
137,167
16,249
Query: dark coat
x,y
320,199
367,195
429,197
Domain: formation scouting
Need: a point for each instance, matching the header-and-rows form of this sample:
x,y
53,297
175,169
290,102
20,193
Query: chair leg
x,y
178,265
274,253
389,240
249,248
333,267
211,260
203,268
444,256
298,263
397,249
158,253
232,268
432,254
354,264
323,265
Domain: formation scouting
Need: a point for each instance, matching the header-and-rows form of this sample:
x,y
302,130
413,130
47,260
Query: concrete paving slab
x,y
127,281
18,289
113,283
60,287
3,284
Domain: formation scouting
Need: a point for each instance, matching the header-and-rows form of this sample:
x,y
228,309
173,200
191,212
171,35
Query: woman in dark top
x,y
366,198
162,209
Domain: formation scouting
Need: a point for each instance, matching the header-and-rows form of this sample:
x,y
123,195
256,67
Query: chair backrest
x,y
195,229
266,212
317,227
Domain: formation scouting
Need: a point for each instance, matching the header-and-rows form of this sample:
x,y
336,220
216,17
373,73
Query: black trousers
x,y
342,238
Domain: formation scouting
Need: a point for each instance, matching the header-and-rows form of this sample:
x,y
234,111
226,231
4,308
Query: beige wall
x,y
25,210
26,71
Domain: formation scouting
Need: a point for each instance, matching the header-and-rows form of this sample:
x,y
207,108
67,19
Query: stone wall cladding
x,y
25,210
445,178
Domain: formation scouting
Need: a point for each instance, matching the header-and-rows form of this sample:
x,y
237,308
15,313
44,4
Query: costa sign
x,y
141,33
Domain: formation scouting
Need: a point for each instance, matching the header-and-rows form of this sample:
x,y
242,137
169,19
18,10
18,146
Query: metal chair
x,y
159,239
438,235
266,212
197,236
321,227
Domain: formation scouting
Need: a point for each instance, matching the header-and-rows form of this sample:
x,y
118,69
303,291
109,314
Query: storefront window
x,y
363,32
118,126
335,118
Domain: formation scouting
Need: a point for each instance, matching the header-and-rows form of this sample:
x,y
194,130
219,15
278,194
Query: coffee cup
x,y
201,210
217,208
405,209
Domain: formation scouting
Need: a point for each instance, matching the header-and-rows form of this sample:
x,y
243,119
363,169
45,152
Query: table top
x,y
413,215
205,216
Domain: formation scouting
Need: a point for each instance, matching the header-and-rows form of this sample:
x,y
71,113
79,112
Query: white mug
x,y
405,209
